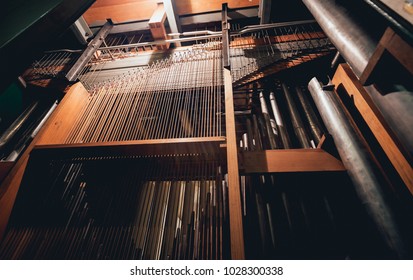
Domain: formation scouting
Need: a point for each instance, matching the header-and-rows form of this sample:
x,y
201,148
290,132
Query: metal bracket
x,y
225,37
74,72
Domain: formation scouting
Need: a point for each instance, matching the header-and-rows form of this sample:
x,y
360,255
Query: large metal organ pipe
x,y
358,163
353,42
357,46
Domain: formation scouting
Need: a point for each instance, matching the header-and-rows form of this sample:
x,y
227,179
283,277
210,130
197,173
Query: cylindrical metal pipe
x,y
313,123
356,46
271,137
353,42
296,119
16,125
280,123
359,164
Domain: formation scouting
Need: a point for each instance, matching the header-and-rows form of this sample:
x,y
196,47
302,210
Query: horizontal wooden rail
x,y
291,160
157,147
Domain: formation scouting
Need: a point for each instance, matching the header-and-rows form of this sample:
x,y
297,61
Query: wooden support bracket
x,y
291,160
345,78
157,26
394,45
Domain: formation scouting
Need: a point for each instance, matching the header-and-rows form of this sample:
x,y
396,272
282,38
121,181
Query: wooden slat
x,y
186,7
122,11
292,160
64,118
52,132
5,167
157,26
237,236
396,46
345,77
204,146
400,50
132,10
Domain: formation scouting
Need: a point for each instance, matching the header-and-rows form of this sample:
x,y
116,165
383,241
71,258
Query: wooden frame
x,y
344,77
393,44
292,160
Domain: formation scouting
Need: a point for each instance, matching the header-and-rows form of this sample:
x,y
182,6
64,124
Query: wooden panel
x,y
293,160
237,236
186,7
120,11
65,116
5,167
345,77
10,186
397,47
133,10
205,146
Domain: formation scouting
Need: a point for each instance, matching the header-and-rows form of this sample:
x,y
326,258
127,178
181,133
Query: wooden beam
x,y
65,116
121,11
203,146
345,77
236,228
187,7
393,44
291,160
5,167
157,26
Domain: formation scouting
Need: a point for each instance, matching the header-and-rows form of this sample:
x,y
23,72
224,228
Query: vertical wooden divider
x,y
236,229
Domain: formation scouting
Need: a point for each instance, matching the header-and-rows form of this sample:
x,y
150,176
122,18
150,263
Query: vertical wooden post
x,y
237,235
157,26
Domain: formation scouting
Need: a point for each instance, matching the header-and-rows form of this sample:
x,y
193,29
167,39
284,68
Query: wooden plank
x,y
186,7
65,116
396,46
236,228
204,146
157,26
376,58
124,11
346,78
159,15
5,167
401,50
11,183
291,160
133,10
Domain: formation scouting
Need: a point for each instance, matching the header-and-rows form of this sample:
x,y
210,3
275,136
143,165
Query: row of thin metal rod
x,y
178,97
51,65
93,73
260,49
105,209
283,119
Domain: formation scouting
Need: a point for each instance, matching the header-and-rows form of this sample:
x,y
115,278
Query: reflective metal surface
x,y
359,165
353,42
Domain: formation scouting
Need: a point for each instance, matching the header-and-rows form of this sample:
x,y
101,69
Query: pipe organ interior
x,y
180,153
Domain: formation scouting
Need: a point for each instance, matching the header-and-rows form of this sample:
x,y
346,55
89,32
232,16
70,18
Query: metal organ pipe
x,y
264,109
280,123
352,41
17,125
296,119
314,124
356,46
358,163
